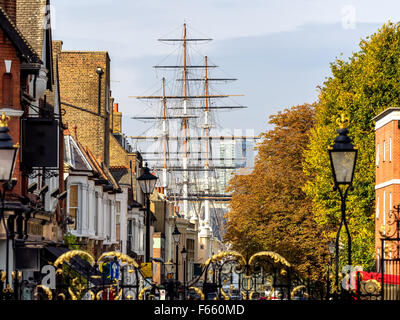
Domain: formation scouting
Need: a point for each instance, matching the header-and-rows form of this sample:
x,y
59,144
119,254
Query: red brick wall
x,y
387,169
7,52
10,6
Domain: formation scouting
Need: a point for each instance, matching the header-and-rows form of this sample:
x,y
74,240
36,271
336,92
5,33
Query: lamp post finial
x,y
4,120
343,121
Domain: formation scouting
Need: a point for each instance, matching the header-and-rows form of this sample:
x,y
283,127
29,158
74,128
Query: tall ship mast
x,y
185,146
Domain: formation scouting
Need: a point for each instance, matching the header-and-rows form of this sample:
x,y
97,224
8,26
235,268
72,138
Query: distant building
x,y
227,153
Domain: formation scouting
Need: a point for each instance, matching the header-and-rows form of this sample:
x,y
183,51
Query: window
x,y
7,85
96,213
118,212
384,150
74,205
384,207
377,208
141,237
130,244
108,220
378,264
377,155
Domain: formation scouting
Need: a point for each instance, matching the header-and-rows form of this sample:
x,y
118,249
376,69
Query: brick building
x,y
26,71
387,185
84,78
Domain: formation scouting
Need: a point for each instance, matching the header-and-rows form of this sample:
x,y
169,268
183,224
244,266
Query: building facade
x,y
387,162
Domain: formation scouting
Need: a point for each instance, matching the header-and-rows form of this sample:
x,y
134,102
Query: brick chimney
x,y
10,7
117,119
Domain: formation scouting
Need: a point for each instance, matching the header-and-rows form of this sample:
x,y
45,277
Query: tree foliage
x,y
269,210
362,87
287,204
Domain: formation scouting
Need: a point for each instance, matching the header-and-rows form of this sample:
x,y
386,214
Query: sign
x,y
114,270
40,141
147,269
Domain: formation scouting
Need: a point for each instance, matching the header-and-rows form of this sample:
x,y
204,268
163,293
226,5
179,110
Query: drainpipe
x,y
99,73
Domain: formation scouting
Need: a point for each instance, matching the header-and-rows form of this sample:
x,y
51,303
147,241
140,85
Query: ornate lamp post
x,y
343,156
147,182
168,267
8,155
184,256
177,237
169,282
331,249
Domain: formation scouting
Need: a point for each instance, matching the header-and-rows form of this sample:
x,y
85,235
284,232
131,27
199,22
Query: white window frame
x,y
377,208
384,208
78,222
377,155
96,212
384,150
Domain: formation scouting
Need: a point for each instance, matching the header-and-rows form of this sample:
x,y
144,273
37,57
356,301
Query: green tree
x,y
269,210
362,87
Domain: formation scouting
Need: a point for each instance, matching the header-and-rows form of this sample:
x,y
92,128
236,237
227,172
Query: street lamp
x,y
8,151
168,281
168,267
343,156
177,237
147,182
184,256
331,249
8,155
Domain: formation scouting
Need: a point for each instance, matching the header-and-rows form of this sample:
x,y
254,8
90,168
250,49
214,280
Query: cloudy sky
x,y
279,50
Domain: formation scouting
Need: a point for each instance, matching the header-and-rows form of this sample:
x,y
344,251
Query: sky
x,y
279,50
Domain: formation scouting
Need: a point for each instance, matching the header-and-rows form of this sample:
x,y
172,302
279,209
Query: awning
x,y
81,266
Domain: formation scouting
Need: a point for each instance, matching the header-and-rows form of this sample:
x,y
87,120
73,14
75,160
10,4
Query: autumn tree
x,y
269,210
361,87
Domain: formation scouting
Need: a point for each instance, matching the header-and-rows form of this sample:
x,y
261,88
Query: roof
x,y
385,113
81,159
26,51
74,156
121,175
111,178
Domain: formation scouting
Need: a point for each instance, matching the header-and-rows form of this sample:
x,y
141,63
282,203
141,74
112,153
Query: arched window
x,y
7,94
